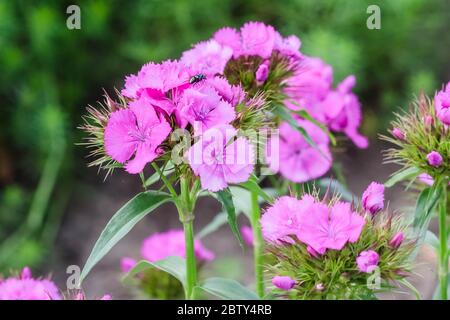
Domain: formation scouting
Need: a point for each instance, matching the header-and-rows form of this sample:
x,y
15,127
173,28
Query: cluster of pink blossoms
x,y
318,225
324,226
195,93
25,287
309,88
159,246
167,96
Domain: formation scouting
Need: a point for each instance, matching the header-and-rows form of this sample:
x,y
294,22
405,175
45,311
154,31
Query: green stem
x,y
191,264
187,218
258,245
443,254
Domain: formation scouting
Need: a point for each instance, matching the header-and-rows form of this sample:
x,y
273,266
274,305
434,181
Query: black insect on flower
x,y
197,78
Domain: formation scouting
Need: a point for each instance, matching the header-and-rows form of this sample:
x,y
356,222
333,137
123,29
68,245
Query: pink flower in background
x,y
106,297
343,111
136,131
229,37
126,264
398,133
299,161
442,105
283,282
397,240
282,220
27,288
233,94
247,235
325,228
434,159
208,57
373,198
159,246
205,109
262,72
220,162
258,39
309,85
367,261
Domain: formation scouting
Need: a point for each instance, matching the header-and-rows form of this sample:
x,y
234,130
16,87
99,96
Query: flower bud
x,y
397,240
373,198
283,282
367,261
434,159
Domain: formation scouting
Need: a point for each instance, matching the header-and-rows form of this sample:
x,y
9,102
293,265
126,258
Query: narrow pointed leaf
x,y
226,199
402,175
122,222
253,186
173,265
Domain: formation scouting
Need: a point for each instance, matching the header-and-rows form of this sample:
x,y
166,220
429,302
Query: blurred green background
x,y
49,74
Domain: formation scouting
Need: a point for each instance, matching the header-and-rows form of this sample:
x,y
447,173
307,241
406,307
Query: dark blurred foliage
x,y
48,74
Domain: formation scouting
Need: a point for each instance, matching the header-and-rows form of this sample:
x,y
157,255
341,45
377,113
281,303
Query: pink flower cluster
x,y
26,287
169,93
310,88
165,244
313,223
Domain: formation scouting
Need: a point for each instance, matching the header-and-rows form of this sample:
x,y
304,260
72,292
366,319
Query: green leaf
x,y
425,204
173,265
305,115
122,222
168,169
406,174
253,186
226,199
227,289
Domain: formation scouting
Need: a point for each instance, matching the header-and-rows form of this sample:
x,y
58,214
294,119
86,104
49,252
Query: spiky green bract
x,y
423,133
243,69
94,125
335,274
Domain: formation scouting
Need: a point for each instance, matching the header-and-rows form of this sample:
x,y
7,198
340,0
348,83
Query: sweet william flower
x,y
136,131
283,282
343,111
229,37
367,261
397,240
220,158
282,220
257,39
208,57
27,288
171,243
324,228
434,159
442,105
373,198
204,108
298,161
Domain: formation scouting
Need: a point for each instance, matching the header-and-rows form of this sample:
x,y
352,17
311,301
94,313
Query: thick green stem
x,y
187,218
191,264
443,252
258,245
